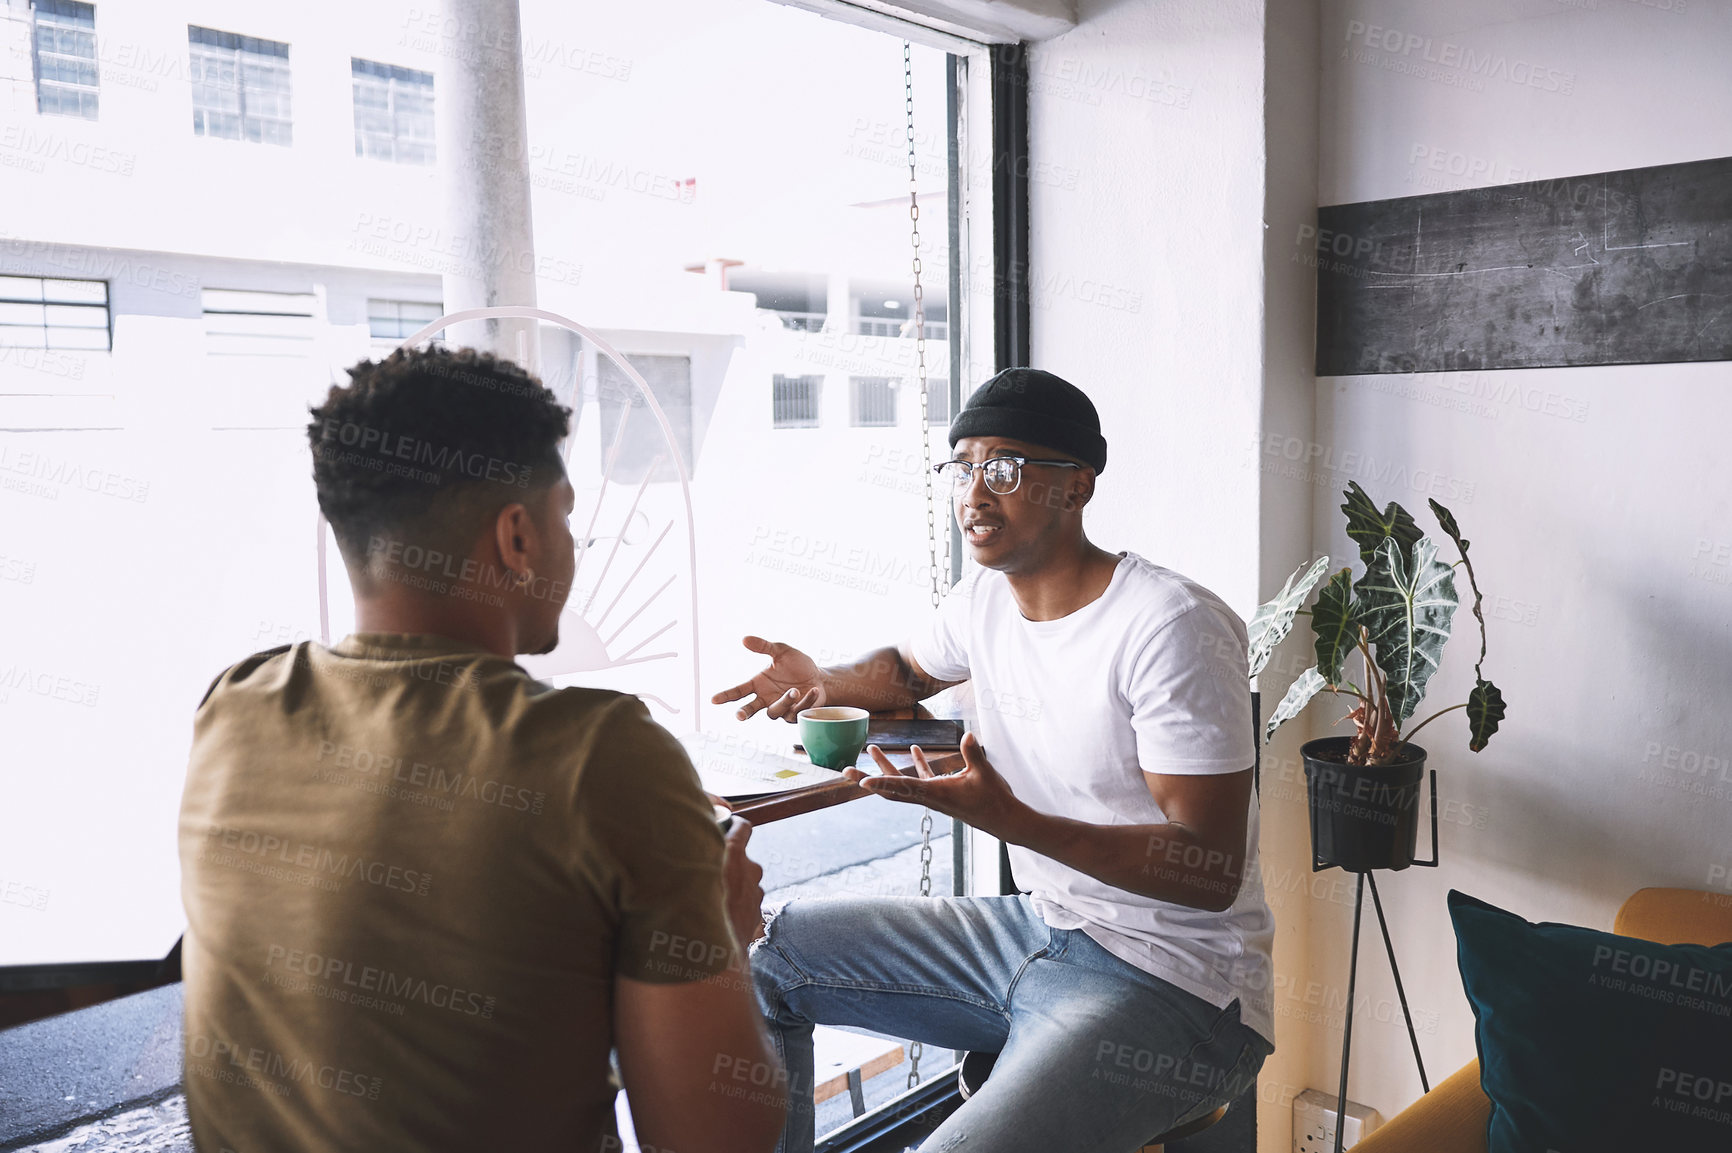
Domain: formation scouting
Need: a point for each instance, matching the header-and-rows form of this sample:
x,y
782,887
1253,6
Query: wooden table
x,y
810,800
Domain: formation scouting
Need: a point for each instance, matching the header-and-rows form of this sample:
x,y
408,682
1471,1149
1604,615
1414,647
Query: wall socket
x,y
1314,1122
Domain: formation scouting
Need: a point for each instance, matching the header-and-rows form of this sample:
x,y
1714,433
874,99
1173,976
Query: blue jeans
x,y
1095,1054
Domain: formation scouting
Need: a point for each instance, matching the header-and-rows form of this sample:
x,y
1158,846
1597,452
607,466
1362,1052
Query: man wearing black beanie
x,y
1126,989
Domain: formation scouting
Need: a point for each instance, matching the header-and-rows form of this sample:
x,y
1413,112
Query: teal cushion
x,y
1594,1043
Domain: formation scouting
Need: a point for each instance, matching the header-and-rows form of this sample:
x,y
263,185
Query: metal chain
x,y
914,1047
920,327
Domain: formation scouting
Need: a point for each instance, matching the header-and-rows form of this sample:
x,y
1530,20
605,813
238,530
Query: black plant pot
x,y
1363,817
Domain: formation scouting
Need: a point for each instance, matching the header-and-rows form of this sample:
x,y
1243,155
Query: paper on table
x,y
738,767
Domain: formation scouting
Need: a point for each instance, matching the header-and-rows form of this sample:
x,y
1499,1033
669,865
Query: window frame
x,y
204,49
815,401
53,18
45,302
960,322
859,399
395,80
405,329
294,317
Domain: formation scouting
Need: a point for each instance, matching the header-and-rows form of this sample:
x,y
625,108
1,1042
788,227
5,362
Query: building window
x,y
886,308
937,401
877,326
902,328
798,300
397,319
873,401
65,44
238,322
393,112
240,86
40,313
801,321
642,442
794,402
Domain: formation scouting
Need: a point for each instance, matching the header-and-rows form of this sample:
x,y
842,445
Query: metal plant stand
x,y
1365,878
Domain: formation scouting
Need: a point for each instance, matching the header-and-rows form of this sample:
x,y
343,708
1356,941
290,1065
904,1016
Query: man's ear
x,y
1082,489
515,537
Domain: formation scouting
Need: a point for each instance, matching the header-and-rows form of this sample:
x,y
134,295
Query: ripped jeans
x,y
1095,1054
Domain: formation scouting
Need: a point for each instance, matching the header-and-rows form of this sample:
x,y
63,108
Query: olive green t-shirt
x,y
411,874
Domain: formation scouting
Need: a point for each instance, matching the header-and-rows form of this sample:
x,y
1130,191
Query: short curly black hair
x,y
427,442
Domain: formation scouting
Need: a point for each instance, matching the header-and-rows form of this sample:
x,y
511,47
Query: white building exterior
x,y
241,276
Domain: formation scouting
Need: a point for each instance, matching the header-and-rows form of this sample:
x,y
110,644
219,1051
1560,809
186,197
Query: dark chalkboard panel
x,y
1631,267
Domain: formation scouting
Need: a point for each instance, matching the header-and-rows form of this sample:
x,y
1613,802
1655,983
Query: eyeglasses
x,y
1003,473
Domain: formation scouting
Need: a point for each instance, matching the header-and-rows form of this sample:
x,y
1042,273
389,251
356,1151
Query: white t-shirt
x,y
1149,677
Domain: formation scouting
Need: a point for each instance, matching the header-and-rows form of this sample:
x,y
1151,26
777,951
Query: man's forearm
x,y
880,681
1167,862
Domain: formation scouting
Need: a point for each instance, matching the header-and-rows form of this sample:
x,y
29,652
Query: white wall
x,y
1147,275
1601,534
1604,542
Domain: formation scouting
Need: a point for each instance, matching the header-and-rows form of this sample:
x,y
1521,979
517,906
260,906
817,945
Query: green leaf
x,y
1370,528
1336,625
1273,621
1299,695
1407,601
1484,713
1447,520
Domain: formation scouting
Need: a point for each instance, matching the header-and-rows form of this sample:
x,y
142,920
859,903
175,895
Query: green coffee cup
x,y
833,734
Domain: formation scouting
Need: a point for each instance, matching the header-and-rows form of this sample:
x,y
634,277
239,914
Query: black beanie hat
x,y
1036,406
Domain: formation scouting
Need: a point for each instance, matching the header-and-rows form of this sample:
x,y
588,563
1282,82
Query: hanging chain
x,y
914,1047
920,326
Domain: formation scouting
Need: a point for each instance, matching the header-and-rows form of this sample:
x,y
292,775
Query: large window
x,y
240,86
65,44
393,112
718,191
41,313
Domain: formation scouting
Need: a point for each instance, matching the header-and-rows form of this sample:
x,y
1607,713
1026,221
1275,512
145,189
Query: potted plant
x,y
1396,618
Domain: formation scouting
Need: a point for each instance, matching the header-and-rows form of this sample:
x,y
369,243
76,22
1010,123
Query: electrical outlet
x,y
1314,1122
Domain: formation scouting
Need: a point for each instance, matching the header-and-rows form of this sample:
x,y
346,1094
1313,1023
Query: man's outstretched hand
x,y
964,786
791,683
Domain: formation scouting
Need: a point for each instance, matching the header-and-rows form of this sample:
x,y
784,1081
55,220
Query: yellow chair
x,y
1452,1118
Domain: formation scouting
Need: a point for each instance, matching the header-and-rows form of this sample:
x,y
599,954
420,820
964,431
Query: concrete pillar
x,y
838,303
483,165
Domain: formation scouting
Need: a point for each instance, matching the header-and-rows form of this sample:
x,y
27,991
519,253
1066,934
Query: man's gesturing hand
x,y
965,786
791,683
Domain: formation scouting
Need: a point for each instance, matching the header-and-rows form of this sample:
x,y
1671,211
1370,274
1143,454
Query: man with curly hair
x,y
427,894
